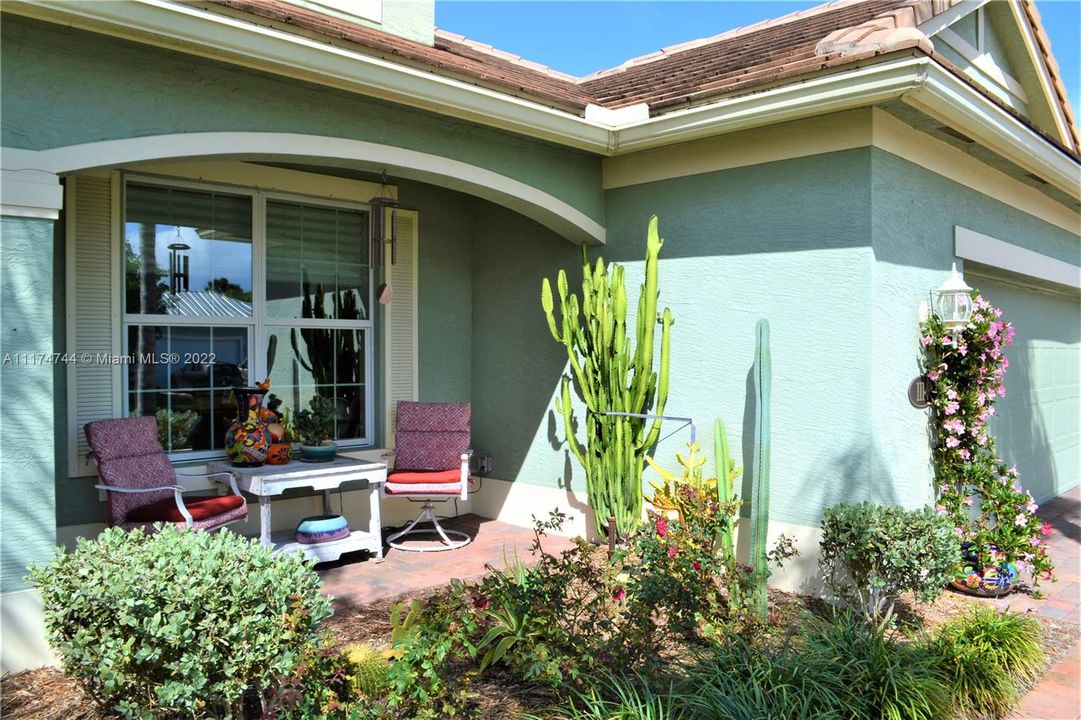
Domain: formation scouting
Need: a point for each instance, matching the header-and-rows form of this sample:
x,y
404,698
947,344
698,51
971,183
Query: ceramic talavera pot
x,y
247,440
280,453
987,581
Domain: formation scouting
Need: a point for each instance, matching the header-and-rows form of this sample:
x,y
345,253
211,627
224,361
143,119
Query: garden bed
x,y
46,694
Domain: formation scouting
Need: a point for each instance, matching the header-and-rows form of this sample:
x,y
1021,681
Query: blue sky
x,y
582,37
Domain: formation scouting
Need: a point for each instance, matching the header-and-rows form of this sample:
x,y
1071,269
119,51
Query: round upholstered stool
x,y
322,528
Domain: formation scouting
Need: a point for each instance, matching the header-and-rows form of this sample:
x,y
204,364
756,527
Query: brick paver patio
x,y
356,580
1058,695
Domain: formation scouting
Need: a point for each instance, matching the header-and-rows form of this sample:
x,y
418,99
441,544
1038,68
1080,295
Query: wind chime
x,y
380,204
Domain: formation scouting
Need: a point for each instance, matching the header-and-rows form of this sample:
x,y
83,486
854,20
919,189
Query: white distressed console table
x,y
268,481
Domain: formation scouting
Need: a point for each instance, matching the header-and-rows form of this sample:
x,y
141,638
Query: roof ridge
x,y
726,35
454,37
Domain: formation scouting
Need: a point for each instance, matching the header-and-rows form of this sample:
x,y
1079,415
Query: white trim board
x,y
986,250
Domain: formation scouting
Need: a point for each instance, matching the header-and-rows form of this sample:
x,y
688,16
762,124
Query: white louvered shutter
x,y
91,312
400,336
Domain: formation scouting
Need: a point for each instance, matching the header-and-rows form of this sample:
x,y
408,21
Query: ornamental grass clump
x,y
179,623
987,656
994,518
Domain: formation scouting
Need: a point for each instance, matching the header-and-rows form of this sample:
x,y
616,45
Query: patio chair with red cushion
x,y
141,484
431,464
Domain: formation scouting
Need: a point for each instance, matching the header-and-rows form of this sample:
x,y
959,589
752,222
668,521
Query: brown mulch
x,y
46,694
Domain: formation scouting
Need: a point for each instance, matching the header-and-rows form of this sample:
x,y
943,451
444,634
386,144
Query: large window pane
x,y
326,362
187,252
317,262
184,375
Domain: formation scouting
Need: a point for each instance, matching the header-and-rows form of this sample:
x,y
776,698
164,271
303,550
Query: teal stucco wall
x,y
63,87
27,500
914,215
788,241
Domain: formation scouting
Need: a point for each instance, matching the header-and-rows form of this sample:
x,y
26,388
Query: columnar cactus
x,y
612,378
760,477
725,480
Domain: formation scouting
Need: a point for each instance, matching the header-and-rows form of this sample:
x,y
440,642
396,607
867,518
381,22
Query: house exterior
x,y
822,170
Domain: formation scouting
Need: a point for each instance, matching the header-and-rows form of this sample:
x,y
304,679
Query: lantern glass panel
x,y
955,308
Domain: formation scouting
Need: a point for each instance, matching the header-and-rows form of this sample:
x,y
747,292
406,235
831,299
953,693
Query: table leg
x,y
326,503
375,525
264,520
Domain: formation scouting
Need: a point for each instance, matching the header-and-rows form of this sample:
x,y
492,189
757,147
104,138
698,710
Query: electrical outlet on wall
x,y
484,464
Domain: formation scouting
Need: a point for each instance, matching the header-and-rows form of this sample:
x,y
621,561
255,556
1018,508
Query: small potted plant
x,y
174,428
314,427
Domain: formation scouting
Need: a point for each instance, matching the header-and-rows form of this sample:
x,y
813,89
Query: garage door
x,y
1037,423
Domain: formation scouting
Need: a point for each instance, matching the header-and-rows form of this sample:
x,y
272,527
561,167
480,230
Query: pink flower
x,y
943,489
672,552
1045,528
955,426
619,595
963,349
1020,520
951,408
969,500
951,394
964,453
926,340
958,532
1016,486
952,442
662,527
1032,507
940,510
933,376
1034,541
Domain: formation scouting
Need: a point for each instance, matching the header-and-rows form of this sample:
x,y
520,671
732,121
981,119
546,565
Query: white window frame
x,y
258,323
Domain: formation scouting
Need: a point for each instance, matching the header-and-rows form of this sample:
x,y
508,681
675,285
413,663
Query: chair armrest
x,y
177,496
112,488
218,477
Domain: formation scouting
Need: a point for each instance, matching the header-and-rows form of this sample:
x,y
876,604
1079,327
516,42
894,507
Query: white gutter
x,y
916,79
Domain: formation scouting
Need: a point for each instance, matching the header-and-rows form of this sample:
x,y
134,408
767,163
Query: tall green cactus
x,y
725,481
760,478
612,377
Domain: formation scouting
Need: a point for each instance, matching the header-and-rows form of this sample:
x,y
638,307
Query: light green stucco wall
x,y
27,499
914,215
411,19
789,241
62,86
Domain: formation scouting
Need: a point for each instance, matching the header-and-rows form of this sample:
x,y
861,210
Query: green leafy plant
x,y
616,382
178,622
314,424
763,374
984,654
873,553
620,697
994,518
174,427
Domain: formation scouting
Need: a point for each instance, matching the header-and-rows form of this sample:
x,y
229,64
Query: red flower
x,y
619,595
480,602
696,565
662,527
672,552
1045,528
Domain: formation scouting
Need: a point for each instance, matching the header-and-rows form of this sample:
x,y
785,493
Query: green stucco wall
x,y
914,215
411,19
788,241
62,87
27,501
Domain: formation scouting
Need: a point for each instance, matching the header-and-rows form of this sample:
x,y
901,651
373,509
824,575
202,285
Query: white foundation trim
x,y
22,625
984,249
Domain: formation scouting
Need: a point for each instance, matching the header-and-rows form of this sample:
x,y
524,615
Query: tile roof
x,y
696,72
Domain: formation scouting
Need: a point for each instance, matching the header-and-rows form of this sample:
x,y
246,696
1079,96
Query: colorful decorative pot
x,y
987,581
280,453
247,440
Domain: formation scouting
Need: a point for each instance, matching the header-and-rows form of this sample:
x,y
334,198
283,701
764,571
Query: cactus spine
x,y
612,377
760,479
724,481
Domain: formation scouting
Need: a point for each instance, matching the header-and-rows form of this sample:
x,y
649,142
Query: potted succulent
x,y
314,427
174,428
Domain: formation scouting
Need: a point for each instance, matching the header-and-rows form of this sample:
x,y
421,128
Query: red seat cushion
x,y
424,477
201,508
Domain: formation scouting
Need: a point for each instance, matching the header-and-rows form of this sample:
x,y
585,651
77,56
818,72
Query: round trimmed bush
x,y
178,623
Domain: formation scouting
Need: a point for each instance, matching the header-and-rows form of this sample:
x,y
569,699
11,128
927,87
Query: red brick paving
x,y
1058,695
359,580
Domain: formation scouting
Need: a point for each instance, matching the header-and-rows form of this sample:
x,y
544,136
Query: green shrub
x,y
873,553
888,678
368,668
984,654
617,697
178,623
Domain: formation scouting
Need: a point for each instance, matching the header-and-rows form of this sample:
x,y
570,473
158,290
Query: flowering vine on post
x,y
995,520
